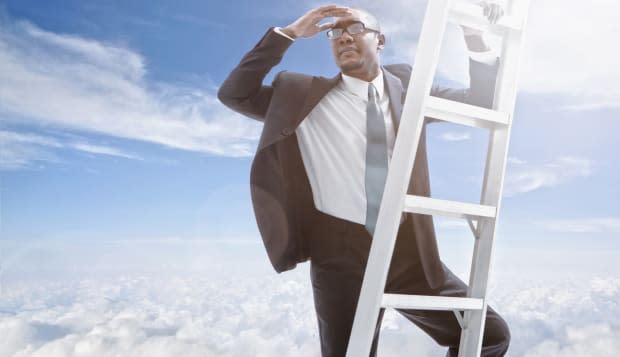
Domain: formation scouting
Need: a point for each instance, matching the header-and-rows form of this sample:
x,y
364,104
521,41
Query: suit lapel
x,y
321,85
395,91
318,89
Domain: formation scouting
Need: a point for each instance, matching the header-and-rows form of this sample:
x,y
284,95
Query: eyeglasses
x,y
353,29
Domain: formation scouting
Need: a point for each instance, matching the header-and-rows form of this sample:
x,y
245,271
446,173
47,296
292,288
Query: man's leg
x,y
339,252
339,255
336,287
443,327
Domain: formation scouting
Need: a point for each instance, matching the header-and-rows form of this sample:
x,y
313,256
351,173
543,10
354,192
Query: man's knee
x,y
496,334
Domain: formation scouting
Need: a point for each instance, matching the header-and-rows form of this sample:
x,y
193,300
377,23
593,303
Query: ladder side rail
x,y
392,203
497,152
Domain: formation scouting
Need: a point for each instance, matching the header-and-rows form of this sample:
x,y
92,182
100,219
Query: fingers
x,y
324,12
495,13
309,24
491,11
331,11
325,26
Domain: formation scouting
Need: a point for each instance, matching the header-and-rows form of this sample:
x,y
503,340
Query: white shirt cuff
x,y
487,57
278,30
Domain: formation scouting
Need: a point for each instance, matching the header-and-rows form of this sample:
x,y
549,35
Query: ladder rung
x,y
425,302
464,114
471,15
432,206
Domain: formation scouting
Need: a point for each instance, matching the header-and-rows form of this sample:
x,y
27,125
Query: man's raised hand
x,y
308,24
492,11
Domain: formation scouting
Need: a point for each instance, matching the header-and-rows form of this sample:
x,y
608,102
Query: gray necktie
x,y
376,158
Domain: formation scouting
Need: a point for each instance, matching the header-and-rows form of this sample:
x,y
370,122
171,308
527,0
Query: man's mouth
x,y
347,50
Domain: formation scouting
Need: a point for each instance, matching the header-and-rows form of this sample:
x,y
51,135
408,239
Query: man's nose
x,y
346,37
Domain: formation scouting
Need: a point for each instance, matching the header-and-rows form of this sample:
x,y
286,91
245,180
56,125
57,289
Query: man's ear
x,y
381,38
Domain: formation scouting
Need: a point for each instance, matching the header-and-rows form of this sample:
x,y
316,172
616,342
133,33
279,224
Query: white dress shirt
x,y
332,141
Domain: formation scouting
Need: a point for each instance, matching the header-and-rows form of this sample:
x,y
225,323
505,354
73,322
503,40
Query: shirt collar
x,y
360,87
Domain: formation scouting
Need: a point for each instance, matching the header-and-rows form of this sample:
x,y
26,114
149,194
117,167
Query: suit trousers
x,y
339,252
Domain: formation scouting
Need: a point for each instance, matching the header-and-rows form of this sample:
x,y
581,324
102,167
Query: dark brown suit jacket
x,y
281,193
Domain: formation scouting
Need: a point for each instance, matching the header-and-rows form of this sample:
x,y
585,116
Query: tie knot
x,y
372,92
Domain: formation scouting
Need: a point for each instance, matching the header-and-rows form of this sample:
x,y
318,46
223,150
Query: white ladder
x,y
418,105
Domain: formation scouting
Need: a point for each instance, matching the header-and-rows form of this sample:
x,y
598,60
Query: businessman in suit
x,y
323,149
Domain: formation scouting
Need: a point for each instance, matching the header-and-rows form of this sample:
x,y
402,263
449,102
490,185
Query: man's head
x,y
357,53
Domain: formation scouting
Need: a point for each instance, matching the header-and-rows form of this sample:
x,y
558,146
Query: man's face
x,y
359,53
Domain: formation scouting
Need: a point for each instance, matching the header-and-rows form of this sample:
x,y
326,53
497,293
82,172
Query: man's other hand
x,y
308,24
492,11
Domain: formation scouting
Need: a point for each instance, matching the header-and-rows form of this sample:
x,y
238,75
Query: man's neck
x,y
367,76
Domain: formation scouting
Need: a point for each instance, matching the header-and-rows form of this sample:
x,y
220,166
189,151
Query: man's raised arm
x,y
483,65
243,90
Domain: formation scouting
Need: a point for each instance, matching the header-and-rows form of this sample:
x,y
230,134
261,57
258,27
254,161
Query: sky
x,y
120,173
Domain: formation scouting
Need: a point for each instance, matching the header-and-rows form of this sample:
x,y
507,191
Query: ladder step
x,y
434,206
424,302
464,114
470,15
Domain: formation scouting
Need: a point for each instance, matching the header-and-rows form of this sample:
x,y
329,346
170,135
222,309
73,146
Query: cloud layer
x,y
222,299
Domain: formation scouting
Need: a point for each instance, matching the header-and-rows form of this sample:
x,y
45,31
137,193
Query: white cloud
x,y
104,150
82,84
18,151
26,150
591,340
207,298
523,177
583,225
515,160
452,136
562,57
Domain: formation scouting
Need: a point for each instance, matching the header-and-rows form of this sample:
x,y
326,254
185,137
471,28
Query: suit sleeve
x,y
243,90
481,86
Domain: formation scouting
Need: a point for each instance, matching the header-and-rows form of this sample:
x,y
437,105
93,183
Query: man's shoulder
x,y
287,76
400,70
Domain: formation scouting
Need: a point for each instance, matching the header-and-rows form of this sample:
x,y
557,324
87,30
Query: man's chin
x,y
349,66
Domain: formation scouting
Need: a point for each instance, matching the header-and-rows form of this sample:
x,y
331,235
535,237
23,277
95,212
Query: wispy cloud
x,y
83,84
583,225
522,177
104,150
514,160
453,136
18,151
25,150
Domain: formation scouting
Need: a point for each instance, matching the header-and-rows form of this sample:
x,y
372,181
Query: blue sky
x,y
111,128
117,159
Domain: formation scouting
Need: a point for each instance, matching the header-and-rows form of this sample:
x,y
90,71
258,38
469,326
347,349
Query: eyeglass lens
x,y
352,29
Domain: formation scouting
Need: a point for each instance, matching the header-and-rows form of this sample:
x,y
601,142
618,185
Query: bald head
x,y
369,20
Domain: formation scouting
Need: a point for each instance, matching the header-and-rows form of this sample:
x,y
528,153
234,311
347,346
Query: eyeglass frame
x,y
364,29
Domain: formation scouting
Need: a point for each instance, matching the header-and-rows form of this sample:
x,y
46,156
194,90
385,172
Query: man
x,y
322,153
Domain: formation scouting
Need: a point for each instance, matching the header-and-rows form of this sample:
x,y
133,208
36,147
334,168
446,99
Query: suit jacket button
x,y
286,132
